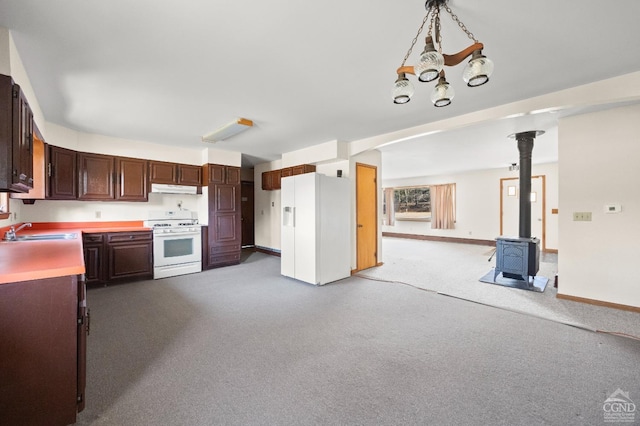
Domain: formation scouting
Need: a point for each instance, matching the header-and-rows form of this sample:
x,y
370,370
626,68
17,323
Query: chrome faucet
x,y
10,235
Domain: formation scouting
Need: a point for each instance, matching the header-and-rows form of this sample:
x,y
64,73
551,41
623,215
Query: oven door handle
x,y
176,234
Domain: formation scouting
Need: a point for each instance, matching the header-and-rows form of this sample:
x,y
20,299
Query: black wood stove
x,y
518,258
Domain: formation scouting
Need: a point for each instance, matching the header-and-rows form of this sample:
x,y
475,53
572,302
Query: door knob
x,y
359,226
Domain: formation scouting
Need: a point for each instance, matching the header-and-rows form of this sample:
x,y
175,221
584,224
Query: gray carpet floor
x,y
243,345
455,270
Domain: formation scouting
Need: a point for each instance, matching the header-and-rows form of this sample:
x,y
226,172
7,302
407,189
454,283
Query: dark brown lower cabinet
x,y
129,255
118,256
94,258
43,329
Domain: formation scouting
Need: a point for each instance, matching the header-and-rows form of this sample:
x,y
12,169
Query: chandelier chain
x,y
415,39
460,24
436,17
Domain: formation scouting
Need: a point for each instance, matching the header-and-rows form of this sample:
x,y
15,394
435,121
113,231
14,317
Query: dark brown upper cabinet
x,y
61,174
174,174
96,174
163,172
189,175
303,168
271,179
223,174
16,138
131,184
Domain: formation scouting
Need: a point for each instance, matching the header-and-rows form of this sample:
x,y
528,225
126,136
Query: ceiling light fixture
x,y
229,130
431,63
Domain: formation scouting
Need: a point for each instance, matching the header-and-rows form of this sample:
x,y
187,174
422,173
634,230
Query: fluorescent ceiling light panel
x,y
227,131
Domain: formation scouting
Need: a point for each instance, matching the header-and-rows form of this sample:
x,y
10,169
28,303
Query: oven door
x,y
176,248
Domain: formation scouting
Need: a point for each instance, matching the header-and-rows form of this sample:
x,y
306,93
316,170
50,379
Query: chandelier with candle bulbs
x,y
431,64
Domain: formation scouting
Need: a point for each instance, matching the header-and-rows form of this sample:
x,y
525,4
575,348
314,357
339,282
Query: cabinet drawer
x,y
124,237
224,249
92,238
224,258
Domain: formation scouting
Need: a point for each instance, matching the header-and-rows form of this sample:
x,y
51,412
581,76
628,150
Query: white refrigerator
x,y
316,231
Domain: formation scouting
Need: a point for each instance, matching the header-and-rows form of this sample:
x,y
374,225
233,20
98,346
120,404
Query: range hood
x,y
160,188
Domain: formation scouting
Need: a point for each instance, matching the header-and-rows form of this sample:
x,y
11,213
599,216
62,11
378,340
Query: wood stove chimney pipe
x,y
525,147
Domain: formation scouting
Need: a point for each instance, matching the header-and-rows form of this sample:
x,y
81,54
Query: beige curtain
x,y
390,215
443,206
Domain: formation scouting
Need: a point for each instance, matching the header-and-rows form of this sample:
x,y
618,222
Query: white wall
x,y
5,55
478,204
598,154
266,209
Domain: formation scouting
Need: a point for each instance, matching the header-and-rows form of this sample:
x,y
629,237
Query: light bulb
x,y
478,70
430,64
442,93
402,90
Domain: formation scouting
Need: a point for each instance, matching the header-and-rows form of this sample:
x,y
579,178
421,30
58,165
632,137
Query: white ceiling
x,y
310,72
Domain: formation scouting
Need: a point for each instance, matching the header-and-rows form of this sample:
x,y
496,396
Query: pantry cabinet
x,y
224,233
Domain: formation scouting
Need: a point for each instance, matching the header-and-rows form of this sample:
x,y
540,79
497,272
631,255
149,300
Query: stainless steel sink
x,y
40,237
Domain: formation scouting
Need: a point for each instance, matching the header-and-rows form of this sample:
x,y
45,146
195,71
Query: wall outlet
x,y
98,214
582,216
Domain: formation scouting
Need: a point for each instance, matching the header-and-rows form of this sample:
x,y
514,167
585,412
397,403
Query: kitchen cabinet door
x,y
61,174
42,351
23,145
216,173
189,175
94,257
303,168
224,174
129,255
266,181
16,139
163,172
224,232
95,177
232,175
131,179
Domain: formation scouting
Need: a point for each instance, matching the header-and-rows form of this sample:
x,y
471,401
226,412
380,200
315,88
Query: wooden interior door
x,y
247,211
510,208
366,216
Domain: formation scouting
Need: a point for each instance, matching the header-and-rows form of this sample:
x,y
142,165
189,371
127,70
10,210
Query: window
x,y
4,205
412,203
435,204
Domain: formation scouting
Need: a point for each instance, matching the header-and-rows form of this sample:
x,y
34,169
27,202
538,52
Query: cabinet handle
x,y
49,170
131,237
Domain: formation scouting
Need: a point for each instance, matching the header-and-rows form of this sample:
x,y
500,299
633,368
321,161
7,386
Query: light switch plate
x,y
612,208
